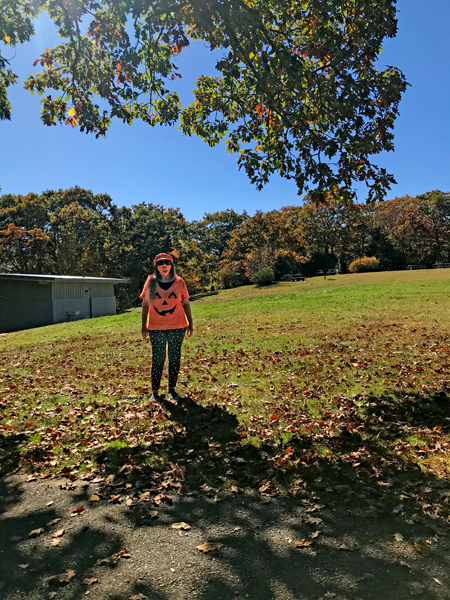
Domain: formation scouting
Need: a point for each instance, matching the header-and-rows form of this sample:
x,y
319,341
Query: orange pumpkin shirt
x,y
166,311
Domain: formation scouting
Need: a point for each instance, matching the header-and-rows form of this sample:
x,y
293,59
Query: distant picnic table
x,y
293,277
327,272
442,266
413,267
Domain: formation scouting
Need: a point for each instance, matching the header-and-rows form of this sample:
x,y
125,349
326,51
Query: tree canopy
x,y
76,232
297,92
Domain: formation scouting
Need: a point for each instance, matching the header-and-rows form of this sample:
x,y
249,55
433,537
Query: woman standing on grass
x,y
165,308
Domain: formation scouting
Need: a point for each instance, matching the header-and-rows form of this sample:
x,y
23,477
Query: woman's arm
x,y
144,318
187,310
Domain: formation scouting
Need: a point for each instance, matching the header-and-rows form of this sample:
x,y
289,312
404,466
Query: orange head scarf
x,y
162,256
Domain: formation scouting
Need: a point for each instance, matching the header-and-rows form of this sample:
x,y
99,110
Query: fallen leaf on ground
x,y
67,485
77,511
313,508
58,533
267,487
50,523
313,520
346,547
125,469
302,544
109,561
437,581
138,597
398,537
208,547
49,503
115,499
55,542
315,534
94,498
113,559
183,526
90,580
62,578
422,547
329,595
31,478
142,511
162,498
36,532
236,529
145,497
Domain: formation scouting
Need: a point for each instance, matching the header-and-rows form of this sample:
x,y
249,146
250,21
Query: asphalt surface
x,y
352,546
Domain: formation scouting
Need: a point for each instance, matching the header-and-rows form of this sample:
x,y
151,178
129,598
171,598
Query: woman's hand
x,y
187,310
145,333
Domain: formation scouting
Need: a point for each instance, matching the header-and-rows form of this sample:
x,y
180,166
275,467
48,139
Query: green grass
x,y
351,370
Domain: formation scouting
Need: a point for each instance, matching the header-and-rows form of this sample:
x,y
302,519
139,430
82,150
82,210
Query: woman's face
x,y
164,267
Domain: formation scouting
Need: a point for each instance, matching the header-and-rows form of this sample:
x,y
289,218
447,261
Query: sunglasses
x,y
163,262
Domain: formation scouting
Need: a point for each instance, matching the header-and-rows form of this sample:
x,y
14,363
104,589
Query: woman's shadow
x,y
210,422
209,446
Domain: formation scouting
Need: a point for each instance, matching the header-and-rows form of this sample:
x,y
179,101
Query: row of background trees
x,y
76,232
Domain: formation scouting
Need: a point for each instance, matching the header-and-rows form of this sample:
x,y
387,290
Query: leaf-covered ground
x,y
295,390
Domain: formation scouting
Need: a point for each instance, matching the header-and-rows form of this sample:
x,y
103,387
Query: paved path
x,y
355,554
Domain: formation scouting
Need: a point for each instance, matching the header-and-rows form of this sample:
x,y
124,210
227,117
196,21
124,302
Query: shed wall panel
x,y
103,306
69,290
24,291
62,307
18,315
24,304
102,290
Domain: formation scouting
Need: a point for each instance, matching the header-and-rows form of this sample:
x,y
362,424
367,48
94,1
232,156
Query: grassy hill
x,y
347,373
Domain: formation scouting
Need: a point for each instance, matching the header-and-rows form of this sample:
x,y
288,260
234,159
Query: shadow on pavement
x,y
364,531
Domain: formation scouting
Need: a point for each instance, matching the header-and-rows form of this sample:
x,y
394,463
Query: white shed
x,y
28,301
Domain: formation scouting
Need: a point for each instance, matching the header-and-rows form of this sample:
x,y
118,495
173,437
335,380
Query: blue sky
x,y
159,165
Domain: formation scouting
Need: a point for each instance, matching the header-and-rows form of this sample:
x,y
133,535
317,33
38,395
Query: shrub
x,y
364,265
231,277
264,276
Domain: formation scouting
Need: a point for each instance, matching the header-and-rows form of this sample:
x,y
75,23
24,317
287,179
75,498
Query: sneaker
x,y
173,395
154,397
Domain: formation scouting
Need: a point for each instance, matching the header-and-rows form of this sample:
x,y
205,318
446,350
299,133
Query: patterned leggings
x,y
173,338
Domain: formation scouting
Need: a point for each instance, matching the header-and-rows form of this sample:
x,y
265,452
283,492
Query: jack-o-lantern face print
x,y
164,269
166,306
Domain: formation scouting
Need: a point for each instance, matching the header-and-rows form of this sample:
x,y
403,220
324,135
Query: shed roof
x,y
54,278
